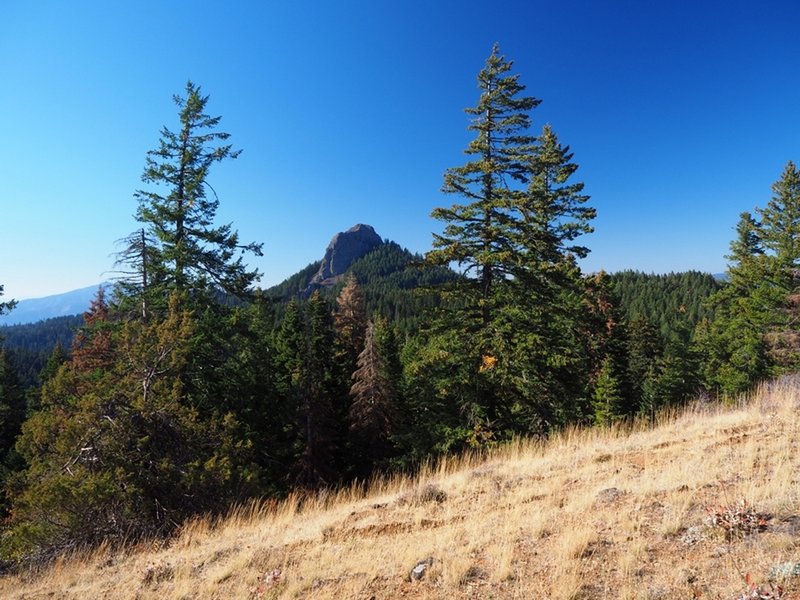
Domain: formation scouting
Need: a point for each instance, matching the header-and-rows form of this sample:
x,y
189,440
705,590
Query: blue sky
x,y
681,115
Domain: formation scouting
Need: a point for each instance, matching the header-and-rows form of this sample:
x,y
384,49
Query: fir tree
x,y
644,348
779,234
350,320
308,381
605,343
135,279
57,358
779,227
323,399
554,212
372,414
675,378
388,347
608,401
12,406
518,305
754,334
114,454
502,151
191,254
5,306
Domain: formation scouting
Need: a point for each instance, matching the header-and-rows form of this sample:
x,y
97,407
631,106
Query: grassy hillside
x,y
705,504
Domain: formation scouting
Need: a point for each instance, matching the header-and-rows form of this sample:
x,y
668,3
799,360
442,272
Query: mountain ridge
x,y
65,304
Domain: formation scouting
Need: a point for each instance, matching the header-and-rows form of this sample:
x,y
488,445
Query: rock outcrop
x,y
345,248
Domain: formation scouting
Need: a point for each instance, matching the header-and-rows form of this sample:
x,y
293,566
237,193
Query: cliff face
x,y
345,248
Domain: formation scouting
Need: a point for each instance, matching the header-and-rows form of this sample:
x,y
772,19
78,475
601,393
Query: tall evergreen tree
x,y
779,227
323,399
372,414
675,377
350,320
519,301
644,348
308,380
755,332
191,254
475,233
136,260
605,339
388,346
780,237
554,212
12,406
733,344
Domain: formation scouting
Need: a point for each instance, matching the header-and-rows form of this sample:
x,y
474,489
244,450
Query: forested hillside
x,y
396,285
667,301
188,390
29,346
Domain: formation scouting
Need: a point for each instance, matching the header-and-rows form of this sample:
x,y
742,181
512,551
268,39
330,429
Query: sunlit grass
x,y
595,513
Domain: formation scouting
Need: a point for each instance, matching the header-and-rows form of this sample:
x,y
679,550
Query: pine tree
x,y
308,380
606,344
644,348
5,306
779,227
518,305
389,348
134,281
502,151
114,454
372,414
675,378
608,401
92,344
191,254
322,400
754,334
251,376
733,343
476,235
12,406
57,358
350,320
780,238
553,214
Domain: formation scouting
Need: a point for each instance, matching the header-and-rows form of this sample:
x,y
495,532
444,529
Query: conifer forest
x,y
185,389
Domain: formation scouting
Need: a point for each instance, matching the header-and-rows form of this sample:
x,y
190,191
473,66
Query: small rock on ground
x,y
419,570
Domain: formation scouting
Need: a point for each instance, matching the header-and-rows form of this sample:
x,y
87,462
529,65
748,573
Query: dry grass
x,y
601,513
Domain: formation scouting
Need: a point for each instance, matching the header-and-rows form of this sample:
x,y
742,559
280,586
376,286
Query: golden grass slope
x,y
653,513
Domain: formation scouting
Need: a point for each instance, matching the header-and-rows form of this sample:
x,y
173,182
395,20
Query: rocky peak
x,y
345,248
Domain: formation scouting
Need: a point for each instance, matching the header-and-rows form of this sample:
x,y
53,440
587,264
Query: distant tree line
x,y
187,390
30,345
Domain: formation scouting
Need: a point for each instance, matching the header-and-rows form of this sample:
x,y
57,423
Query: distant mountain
x,y
59,305
345,248
391,276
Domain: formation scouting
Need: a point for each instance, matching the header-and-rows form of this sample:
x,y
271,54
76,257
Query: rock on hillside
x,y
345,248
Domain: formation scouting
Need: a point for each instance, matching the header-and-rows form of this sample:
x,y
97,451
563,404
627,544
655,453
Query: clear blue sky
x,y
681,115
